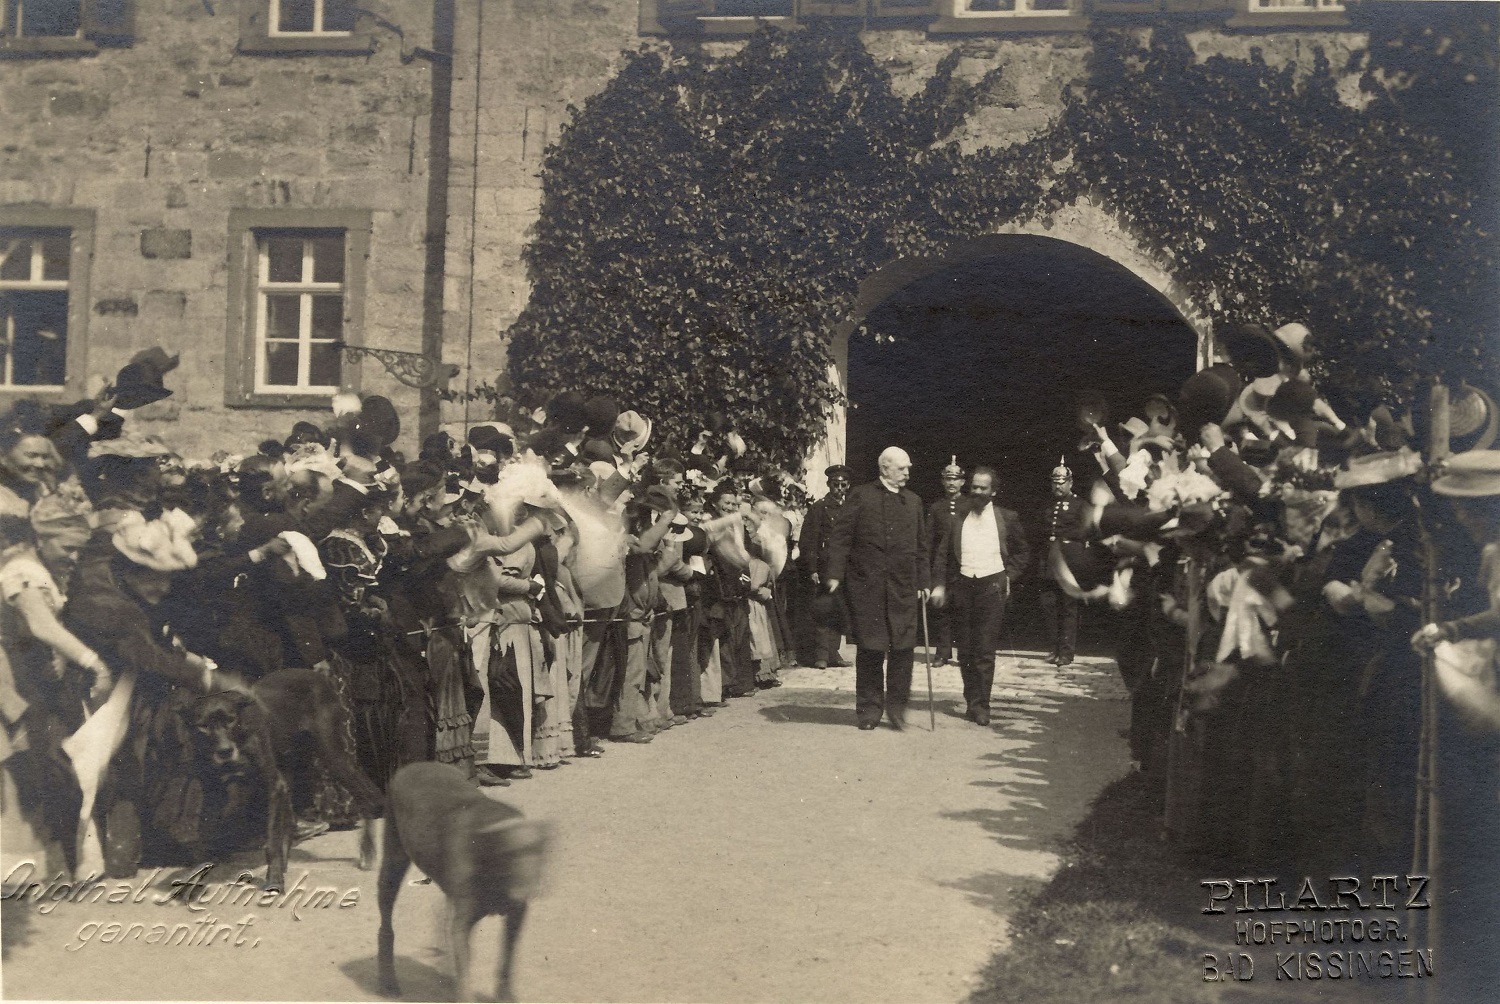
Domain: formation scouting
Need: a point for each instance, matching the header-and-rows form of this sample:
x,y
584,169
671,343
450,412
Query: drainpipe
x,y
430,408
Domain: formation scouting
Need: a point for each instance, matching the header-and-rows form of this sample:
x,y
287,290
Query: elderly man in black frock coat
x,y
879,550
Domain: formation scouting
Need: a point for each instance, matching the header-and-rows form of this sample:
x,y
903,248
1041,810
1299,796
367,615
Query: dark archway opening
x,y
986,358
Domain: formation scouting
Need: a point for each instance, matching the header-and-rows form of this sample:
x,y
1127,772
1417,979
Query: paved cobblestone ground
x,y
771,853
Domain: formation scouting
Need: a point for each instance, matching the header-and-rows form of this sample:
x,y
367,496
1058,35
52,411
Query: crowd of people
x,y
501,603
1277,574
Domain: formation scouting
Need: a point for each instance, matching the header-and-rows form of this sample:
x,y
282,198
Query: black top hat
x,y
1254,351
600,413
1206,397
378,420
139,381
492,440
567,412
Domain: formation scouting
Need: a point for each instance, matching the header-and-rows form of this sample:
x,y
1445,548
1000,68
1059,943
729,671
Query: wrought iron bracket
x,y
411,368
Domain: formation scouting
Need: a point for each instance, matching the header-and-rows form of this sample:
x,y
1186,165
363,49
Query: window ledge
x,y
1007,24
47,395
719,26
279,401
1321,19
357,44
14,47
1106,7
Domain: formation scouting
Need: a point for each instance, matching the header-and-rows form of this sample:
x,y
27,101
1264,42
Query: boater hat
x,y
1470,475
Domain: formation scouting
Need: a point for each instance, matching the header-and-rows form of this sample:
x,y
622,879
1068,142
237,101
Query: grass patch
x,y
1118,922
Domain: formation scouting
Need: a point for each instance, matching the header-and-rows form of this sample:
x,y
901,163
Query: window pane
x,y
328,259
1049,4
338,15
296,15
328,317
49,17
39,354
325,366
285,255
992,5
281,363
15,256
55,255
283,315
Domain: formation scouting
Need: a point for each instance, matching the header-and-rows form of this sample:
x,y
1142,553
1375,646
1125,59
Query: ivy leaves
x,y
707,223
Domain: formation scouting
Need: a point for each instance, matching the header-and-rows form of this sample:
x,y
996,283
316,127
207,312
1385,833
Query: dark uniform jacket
x,y
817,529
938,515
878,550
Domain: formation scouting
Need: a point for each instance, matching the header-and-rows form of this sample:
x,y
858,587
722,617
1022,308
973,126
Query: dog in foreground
x,y
485,856
249,740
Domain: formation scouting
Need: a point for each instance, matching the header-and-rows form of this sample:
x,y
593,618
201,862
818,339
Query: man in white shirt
x,y
980,553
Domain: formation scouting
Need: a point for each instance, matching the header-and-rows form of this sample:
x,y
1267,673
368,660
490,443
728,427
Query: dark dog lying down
x,y
482,853
239,742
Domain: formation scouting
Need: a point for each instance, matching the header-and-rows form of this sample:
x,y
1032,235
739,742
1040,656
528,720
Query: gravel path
x,y
771,853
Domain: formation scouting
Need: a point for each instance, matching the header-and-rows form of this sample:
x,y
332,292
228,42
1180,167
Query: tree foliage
x,y
706,223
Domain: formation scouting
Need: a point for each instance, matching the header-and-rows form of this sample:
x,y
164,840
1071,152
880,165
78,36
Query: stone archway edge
x,y
1082,223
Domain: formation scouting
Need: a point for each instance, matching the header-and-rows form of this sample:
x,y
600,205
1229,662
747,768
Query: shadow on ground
x,y
419,981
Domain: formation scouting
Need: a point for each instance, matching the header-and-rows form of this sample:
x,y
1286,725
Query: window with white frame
x,y
312,17
1295,6
1014,8
299,311
35,283
41,18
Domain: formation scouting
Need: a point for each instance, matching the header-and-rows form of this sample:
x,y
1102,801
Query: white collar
x,y
893,489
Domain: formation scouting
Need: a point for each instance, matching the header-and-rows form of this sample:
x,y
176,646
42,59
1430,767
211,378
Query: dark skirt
x,y
457,691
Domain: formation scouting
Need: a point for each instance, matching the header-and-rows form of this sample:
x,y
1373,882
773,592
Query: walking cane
x,y
931,715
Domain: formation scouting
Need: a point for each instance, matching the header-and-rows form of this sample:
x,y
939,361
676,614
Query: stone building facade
x,y
519,65
243,182
246,182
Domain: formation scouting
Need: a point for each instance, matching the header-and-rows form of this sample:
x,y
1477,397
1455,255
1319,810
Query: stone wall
x,y
163,138
540,56
518,66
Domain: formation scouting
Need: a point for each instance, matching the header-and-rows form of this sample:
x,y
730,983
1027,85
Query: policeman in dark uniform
x,y
938,515
1067,545
830,618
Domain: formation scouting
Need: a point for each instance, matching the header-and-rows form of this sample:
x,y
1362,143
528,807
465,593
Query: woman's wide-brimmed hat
x,y
1470,475
131,446
493,437
164,544
1378,468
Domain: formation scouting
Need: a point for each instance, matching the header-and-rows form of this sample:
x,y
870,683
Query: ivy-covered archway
x,y
707,223
984,355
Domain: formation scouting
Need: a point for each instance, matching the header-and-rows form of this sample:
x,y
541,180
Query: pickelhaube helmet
x,y
952,470
1061,471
